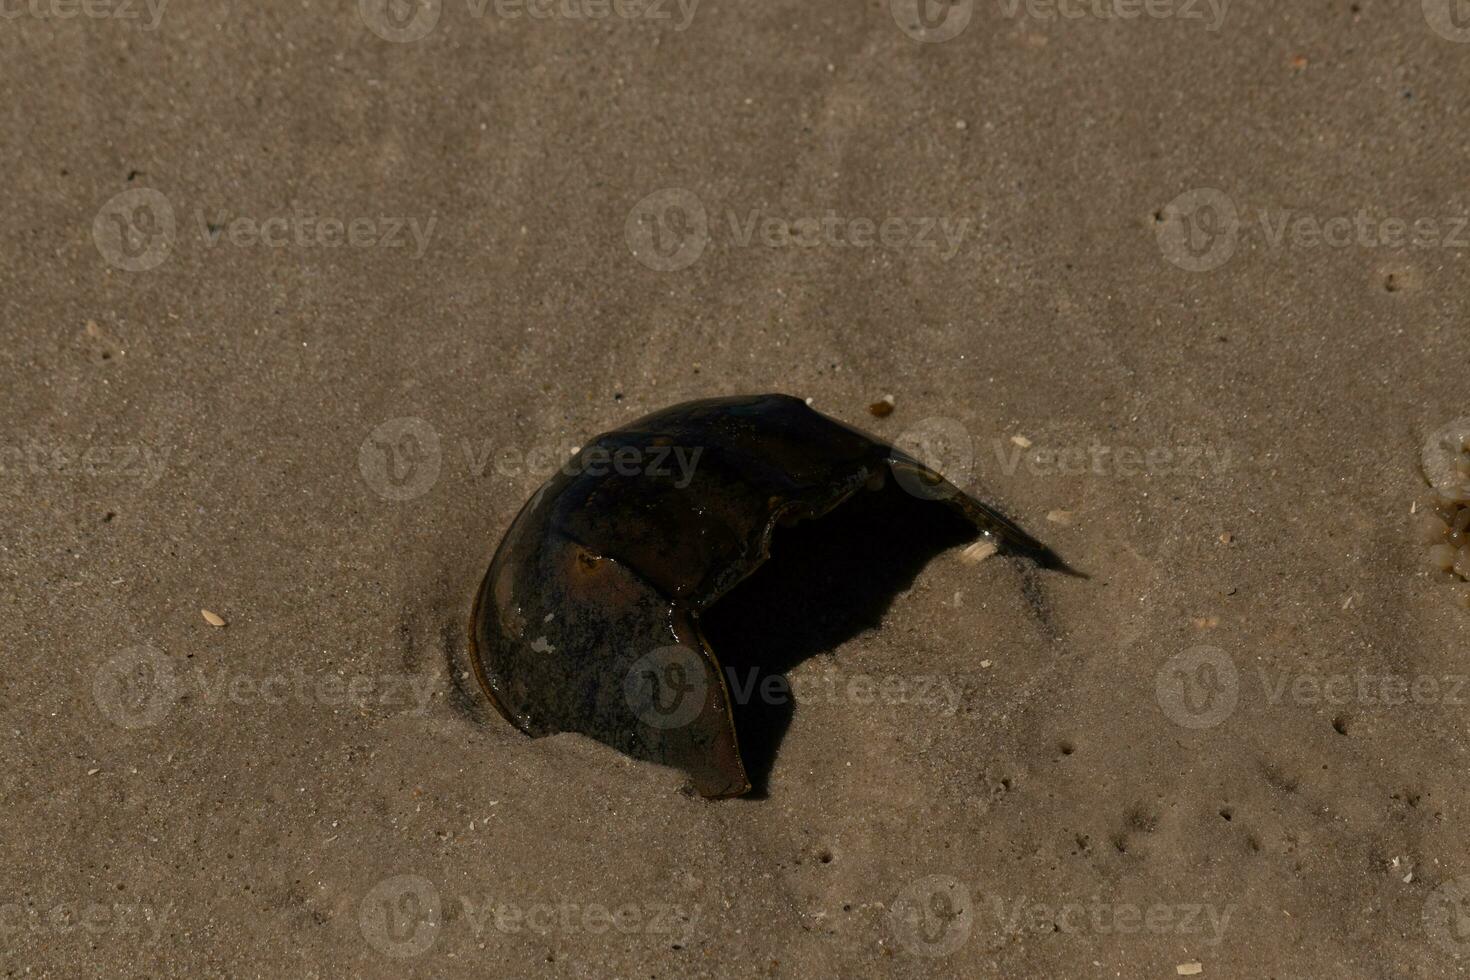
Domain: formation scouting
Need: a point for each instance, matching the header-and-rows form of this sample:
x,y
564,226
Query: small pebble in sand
x,y
1062,517
978,552
1189,969
213,619
1226,538
883,407
1021,441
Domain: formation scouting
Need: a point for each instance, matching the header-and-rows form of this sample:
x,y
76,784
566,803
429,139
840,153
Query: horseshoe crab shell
x,y
588,619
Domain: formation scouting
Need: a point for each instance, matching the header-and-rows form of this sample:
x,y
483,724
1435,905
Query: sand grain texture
x,y
326,442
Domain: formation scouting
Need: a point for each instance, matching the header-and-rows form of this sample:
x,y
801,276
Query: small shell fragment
x,y
883,407
978,552
1189,969
213,619
1021,441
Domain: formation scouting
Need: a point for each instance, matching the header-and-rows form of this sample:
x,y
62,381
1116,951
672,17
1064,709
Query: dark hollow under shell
x,y
588,619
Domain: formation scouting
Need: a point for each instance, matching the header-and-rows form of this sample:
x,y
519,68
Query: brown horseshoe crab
x,y
588,619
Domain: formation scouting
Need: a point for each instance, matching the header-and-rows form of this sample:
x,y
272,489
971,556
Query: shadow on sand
x,y
826,581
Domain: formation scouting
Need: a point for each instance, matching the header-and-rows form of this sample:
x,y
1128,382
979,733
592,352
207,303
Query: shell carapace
x,y
588,619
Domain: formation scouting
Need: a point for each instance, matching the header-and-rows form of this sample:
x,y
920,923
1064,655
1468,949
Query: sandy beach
x,y
305,300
